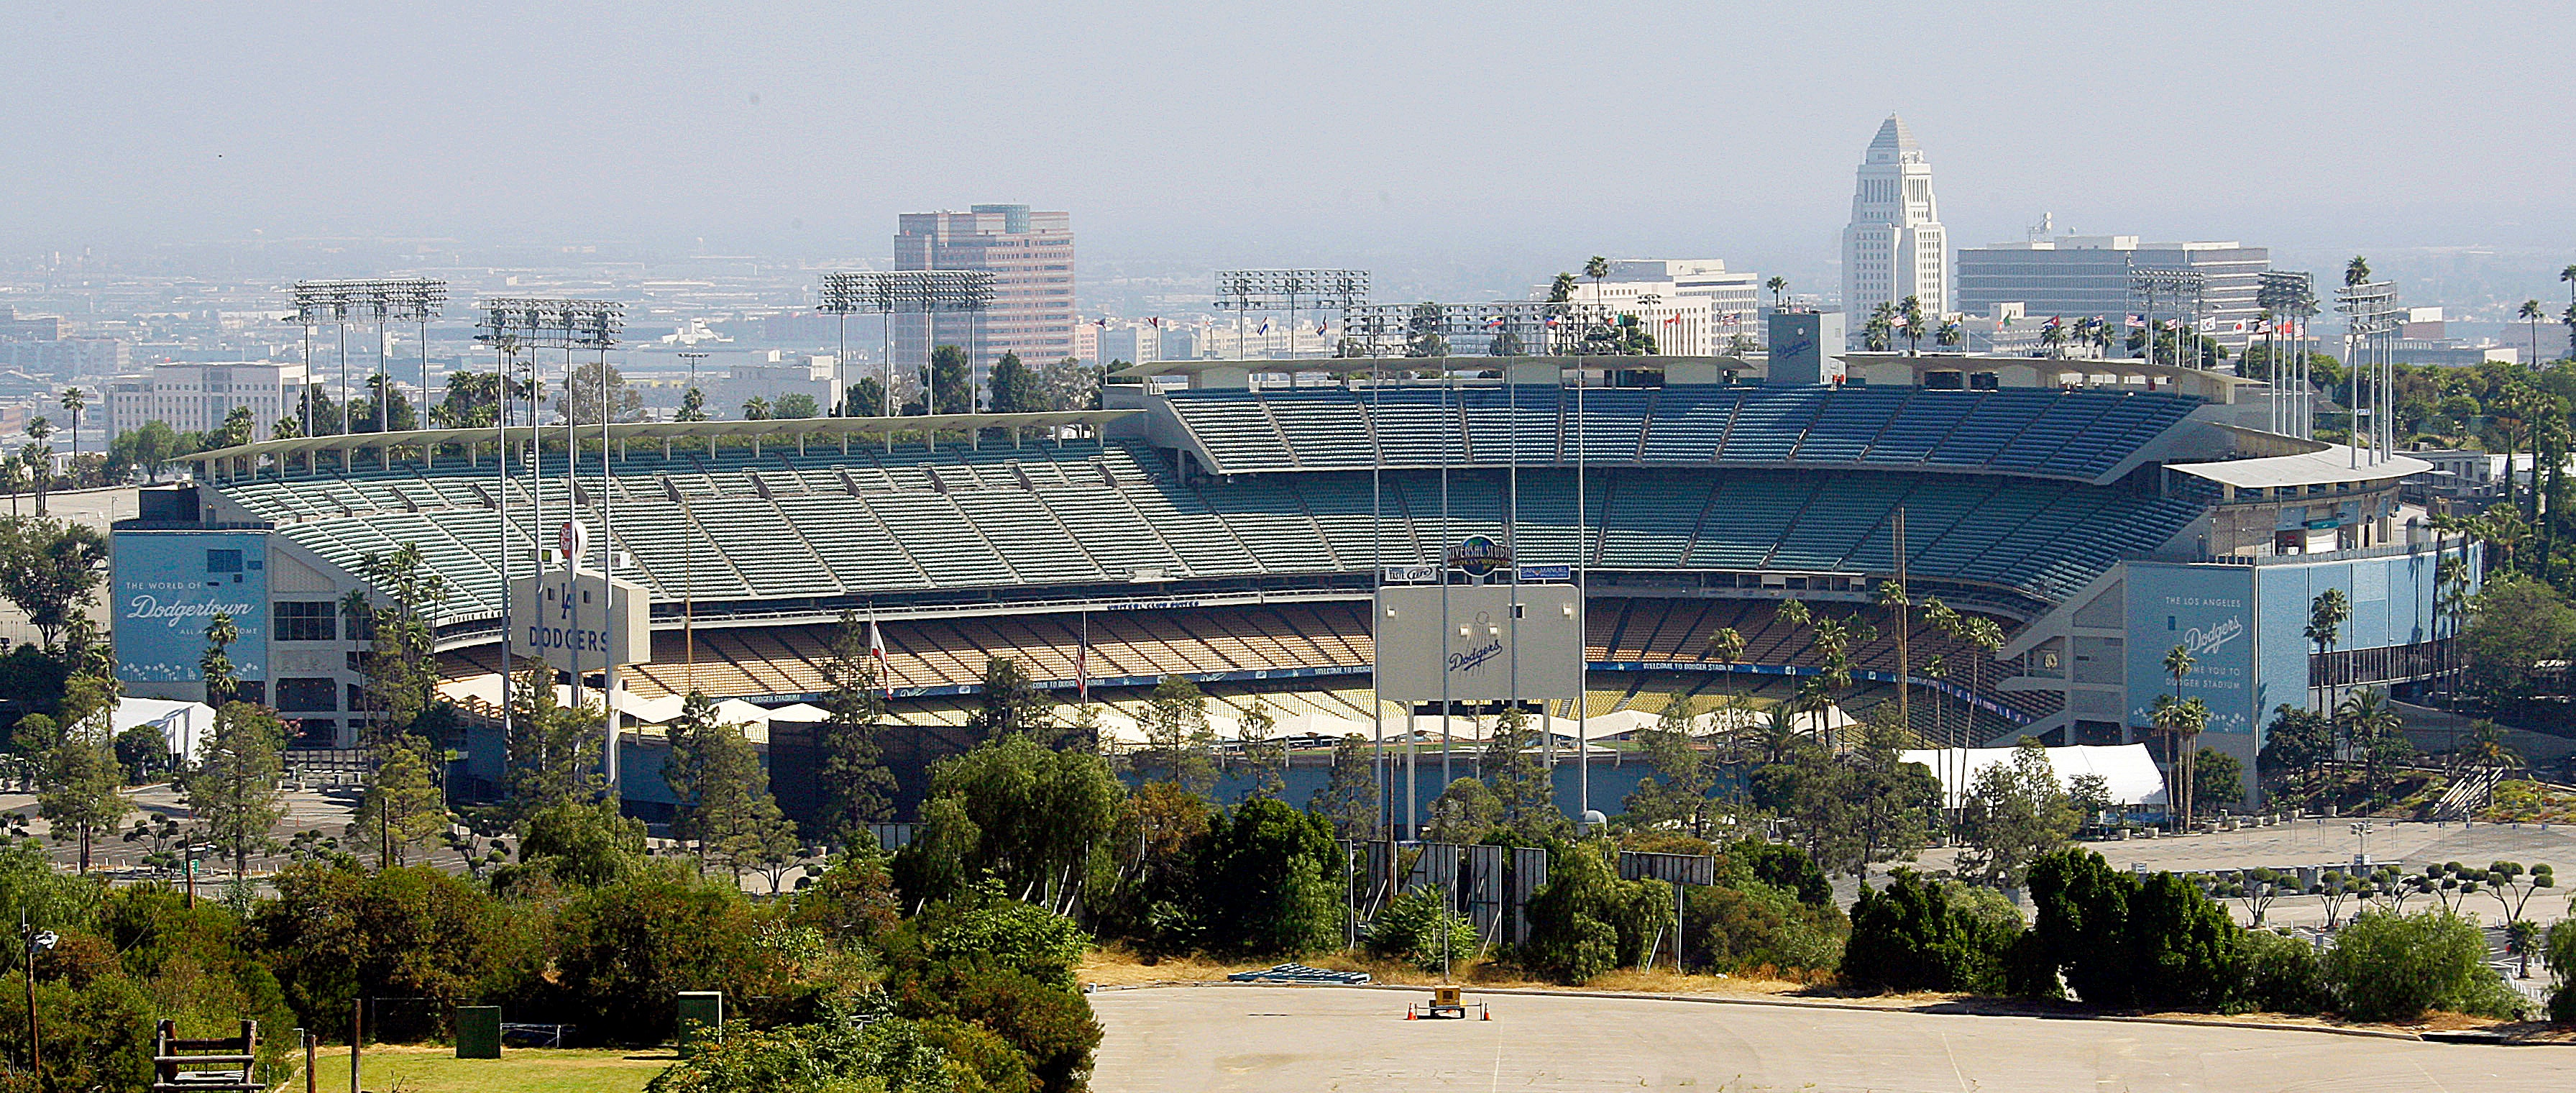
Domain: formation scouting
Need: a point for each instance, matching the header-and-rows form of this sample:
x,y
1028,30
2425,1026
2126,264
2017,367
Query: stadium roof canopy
x,y
1899,369
1521,365
2331,464
246,456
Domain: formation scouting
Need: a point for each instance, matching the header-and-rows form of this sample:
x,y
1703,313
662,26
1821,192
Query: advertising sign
x,y
1472,646
2207,610
167,585
580,621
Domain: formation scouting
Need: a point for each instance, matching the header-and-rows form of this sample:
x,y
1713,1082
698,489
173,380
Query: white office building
x,y
1693,307
197,397
1895,246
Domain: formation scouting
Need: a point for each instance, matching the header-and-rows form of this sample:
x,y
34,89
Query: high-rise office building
x,y
1895,246
197,397
1030,255
2075,276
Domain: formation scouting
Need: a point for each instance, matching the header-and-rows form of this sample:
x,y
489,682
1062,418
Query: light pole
x,y
2361,857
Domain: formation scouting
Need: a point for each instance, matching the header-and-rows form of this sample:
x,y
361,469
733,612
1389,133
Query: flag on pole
x,y
1265,328
1156,322
2055,321
1494,323
1671,319
1082,663
2137,322
877,657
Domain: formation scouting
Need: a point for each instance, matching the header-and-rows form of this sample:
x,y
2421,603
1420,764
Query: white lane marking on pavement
x,y
1955,1072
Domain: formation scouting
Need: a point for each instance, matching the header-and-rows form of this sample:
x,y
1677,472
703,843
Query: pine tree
x,y
1177,737
552,761
725,806
1264,752
1520,781
857,788
79,777
1011,702
1348,798
403,806
234,789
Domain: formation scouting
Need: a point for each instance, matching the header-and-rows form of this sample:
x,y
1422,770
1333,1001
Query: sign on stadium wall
x,y
580,621
169,584
1478,643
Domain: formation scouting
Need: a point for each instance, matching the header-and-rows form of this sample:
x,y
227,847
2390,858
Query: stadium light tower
x,y
385,301
923,292
525,323
1244,289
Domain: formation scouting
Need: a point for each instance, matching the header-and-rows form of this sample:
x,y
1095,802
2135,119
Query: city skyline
x,y
690,139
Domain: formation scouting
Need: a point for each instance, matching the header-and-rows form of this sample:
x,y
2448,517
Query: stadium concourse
x,y
1232,530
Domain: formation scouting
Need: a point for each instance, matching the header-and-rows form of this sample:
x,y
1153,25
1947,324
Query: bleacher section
x,y
824,527
2072,434
1332,635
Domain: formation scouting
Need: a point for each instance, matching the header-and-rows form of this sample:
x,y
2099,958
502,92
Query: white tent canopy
x,y
184,725
2128,768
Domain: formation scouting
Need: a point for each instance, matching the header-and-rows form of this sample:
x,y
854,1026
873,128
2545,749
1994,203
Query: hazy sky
x,y
1478,134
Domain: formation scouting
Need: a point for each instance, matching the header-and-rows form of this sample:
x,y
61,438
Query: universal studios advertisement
x,y
169,585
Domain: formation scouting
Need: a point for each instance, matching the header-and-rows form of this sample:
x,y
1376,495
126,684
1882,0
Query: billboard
x,y
167,585
1490,652
579,621
2208,610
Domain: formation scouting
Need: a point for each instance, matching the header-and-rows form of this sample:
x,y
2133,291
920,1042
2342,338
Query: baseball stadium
x,y
1233,524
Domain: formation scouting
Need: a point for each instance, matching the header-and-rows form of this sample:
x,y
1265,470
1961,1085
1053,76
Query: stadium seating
x,y
2079,434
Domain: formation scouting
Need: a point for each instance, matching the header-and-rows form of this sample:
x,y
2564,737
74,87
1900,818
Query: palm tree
x,y
1948,336
1911,311
1879,332
2369,717
74,401
1598,268
1727,645
39,457
216,664
2531,316
2178,663
2569,275
2326,616
2356,271
2053,336
1892,598
1779,287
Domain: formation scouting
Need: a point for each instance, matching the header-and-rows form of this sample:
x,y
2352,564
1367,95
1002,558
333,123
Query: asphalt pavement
x,y
1302,1039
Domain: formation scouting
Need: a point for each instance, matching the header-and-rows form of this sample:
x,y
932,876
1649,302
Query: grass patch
x,y
403,1069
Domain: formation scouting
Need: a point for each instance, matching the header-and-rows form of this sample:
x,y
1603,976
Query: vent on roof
x,y
670,489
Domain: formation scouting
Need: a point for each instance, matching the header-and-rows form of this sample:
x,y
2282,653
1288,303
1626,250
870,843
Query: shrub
x,y
2562,960
1271,881
2183,949
2281,975
978,1060
1409,929
830,1056
2079,929
1783,866
622,950
333,935
1585,920
990,928
2390,967
1909,936
1748,924
1049,1023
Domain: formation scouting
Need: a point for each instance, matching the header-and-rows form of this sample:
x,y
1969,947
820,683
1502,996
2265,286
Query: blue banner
x,y
167,585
